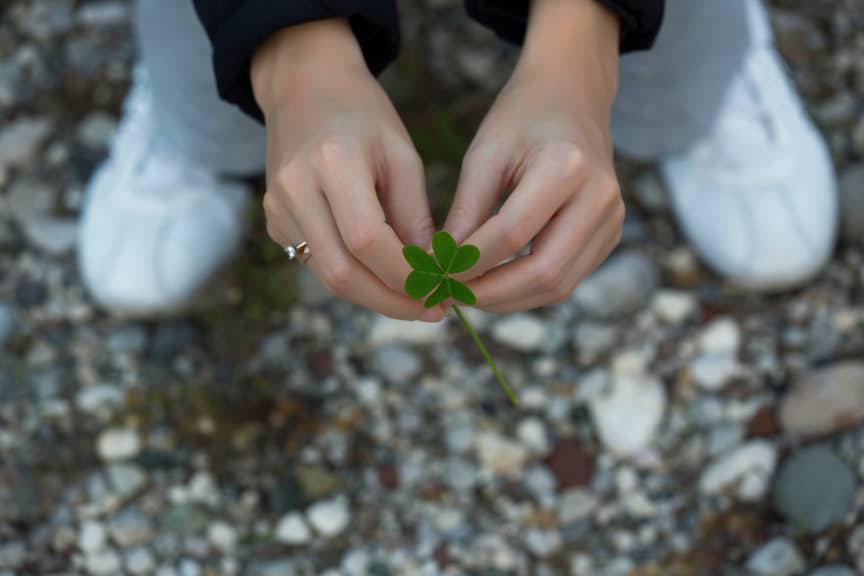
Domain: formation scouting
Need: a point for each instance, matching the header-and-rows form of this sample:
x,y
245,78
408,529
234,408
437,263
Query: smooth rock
x,y
131,527
8,320
222,536
126,480
594,339
99,399
570,463
779,557
20,139
814,489
722,336
712,372
387,330
523,332
118,444
397,364
673,307
747,468
825,401
97,130
532,433
92,537
576,504
12,554
292,530
836,570
500,455
104,563
331,517
619,288
140,561
629,414
54,236
851,190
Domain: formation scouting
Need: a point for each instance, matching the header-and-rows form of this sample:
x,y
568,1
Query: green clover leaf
x,y
430,279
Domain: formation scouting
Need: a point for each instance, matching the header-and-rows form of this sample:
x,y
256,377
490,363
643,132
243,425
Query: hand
x,y
342,173
546,139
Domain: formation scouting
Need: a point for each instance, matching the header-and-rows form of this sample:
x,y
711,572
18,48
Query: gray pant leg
x,y
176,53
669,97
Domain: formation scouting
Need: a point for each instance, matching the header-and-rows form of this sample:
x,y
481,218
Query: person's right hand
x,y
342,173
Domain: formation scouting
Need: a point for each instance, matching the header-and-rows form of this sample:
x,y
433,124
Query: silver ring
x,y
301,251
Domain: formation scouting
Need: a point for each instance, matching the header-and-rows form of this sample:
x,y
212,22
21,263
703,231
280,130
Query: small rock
x,y
140,561
523,332
97,130
712,372
576,504
12,554
825,401
118,444
99,399
20,139
8,319
316,482
331,517
814,489
722,336
532,433
397,364
779,557
619,288
222,536
54,236
500,455
833,571
292,530
571,464
628,416
851,190
131,528
104,563
387,330
126,480
594,339
748,468
673,307
542,543
92,537
651,193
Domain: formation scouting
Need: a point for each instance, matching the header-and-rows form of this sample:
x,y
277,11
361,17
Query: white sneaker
x,y
757,198
154,227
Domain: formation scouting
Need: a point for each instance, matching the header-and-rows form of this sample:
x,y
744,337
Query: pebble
x,y
500,455
397,364
851,190
387,330
532,433
747,468
97,130
825,401
92,537
594,339
712,372
619,288
523,332
8,318
629,414
222,536
833,571
570,463
20,139
779,557
292,530
331,517
12,554
814,489
576,504
126,480
131,527
118,444
140,561
104,563
673,307
722,336
99,399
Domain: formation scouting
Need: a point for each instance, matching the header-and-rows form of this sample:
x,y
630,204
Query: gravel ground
x,y
670,425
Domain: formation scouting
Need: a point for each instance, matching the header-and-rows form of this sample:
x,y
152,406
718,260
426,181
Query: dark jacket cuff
x,y
640,19
237,29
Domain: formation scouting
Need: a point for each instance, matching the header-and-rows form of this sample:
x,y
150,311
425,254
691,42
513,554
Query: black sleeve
x,y
640,19
237,27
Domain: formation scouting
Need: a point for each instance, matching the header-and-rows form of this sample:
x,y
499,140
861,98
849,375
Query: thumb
x,y
481,183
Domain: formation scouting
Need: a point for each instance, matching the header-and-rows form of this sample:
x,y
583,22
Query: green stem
x,y
489,360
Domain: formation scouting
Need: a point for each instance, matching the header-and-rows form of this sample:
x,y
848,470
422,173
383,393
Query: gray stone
x,y
20,140
54,236
851,188
97,130
523,332
825,401
140,561
834,571
8,318
397,364
779,557
131,527
629,414
12,554
814,489
619,288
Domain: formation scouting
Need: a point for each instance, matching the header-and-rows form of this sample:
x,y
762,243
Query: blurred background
x,y
274,431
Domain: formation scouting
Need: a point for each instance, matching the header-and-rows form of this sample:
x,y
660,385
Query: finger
x,y
594,254
348,182
542,191
588,222
340,273
481,184
403,195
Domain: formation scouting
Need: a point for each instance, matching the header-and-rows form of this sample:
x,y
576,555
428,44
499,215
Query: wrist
x,y
574,39
300,54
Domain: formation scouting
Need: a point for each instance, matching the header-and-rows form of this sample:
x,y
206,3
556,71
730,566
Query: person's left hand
x,y
546,139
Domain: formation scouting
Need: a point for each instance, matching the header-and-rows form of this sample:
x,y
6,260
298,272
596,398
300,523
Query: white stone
x,y
713,371
292,530
140,561
532,433
20,139
523,332
629,414
387,330
92,537
779,557
103,563
722,336
737,468
222,536
500,455
672,306
331,517
576,504
99,399
118,444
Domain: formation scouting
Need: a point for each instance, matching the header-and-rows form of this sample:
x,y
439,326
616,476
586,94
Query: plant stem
x,y
489,360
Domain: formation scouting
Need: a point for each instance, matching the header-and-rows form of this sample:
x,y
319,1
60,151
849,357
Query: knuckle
x,y
548,277
562,294
328,154
288,187
270,204
360,238
336,275
568,158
